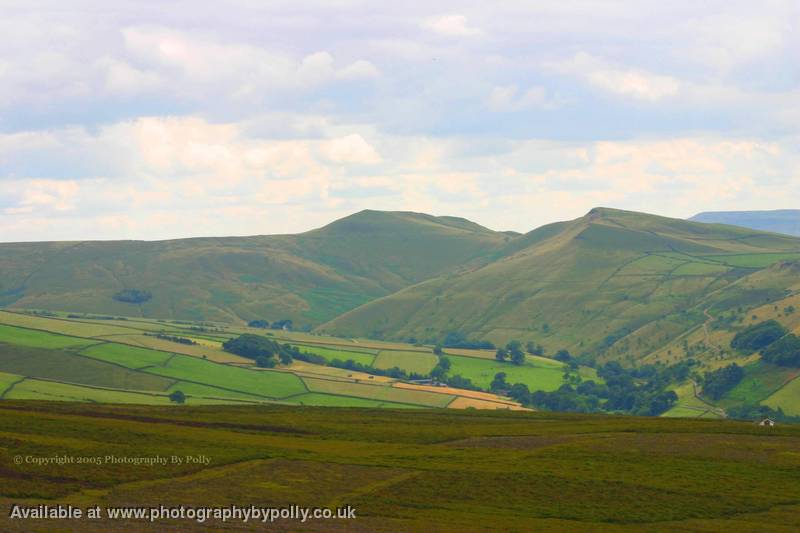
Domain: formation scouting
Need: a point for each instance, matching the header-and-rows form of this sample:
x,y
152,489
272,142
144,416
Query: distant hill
x,y
781,221
614,284
308,278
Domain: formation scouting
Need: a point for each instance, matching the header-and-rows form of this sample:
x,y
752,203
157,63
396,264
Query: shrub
x,y
133,296
252,346
758,336
784,351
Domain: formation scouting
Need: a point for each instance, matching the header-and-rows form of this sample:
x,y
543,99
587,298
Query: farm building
x,y
767,422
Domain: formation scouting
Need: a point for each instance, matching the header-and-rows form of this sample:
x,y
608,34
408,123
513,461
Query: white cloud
x,y
634,83
451,26
122,78
359,70
509,98
351,149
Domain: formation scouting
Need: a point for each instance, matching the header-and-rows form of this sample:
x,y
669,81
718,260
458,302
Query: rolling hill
x,y
780,221
612,284
308,278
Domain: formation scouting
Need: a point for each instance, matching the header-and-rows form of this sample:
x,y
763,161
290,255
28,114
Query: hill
x,y
611,285
308,278
780,221
401,470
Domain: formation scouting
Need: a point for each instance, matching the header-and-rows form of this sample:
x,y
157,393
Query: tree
x,y
563,355
286,358
521,393
758,336
499,382
444,362
501,354
534,349
720,381
263,361
261,324
252,346
133,296
177,397
514,349
437,350
783,352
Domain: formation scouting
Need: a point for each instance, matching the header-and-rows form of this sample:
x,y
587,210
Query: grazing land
x,y
534,373
417,362
407,470
48,364
786,398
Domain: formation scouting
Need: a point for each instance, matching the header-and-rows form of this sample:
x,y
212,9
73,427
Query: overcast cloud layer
x,y
150,120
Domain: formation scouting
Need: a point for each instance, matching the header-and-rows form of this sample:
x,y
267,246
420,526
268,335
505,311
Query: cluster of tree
x,y
262,350
534,349
512,351
133,296
456,339
172,338
783,352
94,317
641,391
758,336
441,372
265,324
717,382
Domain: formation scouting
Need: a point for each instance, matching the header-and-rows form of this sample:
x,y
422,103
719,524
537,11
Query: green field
x,y
265,383
408,470
32,389
127,356
38,339
207,391
787,398
536,374
71,368
759,382
6,380
332,400
417,362
97,368
330,354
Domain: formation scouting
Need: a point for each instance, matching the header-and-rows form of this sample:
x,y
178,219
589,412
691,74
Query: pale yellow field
x,y
301,368
464,403
476,395
164,345
65,327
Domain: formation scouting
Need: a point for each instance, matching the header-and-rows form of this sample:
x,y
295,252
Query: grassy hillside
x,y
308,278
404,470
613,284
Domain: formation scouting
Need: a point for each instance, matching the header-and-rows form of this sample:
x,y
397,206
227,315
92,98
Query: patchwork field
x,y
761,380
787,398
380,392
364,358
416,362
407,470
110,367
536,374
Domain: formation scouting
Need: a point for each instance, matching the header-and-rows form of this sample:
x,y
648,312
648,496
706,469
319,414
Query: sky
x,y
154,120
